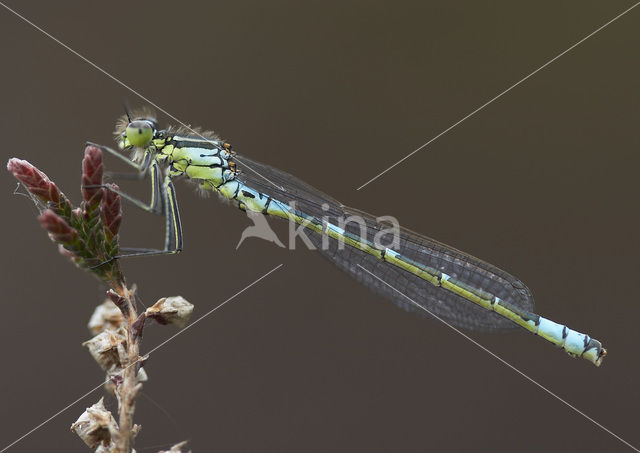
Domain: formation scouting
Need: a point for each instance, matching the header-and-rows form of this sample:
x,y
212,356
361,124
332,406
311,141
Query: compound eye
x,y
139,133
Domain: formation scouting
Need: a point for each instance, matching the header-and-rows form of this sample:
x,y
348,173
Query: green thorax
x,y
208,160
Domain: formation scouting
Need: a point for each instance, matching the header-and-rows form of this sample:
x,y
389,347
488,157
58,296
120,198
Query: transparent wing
x,y
442,303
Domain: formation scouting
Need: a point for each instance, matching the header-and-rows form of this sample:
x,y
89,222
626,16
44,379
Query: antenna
x,y
125,105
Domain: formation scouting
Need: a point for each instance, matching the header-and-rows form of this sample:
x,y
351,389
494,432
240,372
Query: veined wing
x,y
445,304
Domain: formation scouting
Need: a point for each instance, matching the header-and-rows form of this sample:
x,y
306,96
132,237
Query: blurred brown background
x,y
543,183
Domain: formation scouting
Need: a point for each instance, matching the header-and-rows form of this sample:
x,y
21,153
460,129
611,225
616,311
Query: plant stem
x,y
128,390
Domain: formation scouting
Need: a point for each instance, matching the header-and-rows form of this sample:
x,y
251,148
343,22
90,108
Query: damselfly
x,y
416,273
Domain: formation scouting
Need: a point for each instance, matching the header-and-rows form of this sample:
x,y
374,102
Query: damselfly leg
x,y
141,167
163,202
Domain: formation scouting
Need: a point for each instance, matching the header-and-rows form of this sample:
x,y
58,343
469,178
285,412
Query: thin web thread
x,y
498,96
119,82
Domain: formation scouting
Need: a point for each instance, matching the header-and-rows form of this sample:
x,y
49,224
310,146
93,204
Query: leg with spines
x,y
163,202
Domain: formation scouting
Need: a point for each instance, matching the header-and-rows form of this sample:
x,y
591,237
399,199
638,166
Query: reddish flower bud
x,y
92,169
137,326
111,211
34,180
119,301
59,230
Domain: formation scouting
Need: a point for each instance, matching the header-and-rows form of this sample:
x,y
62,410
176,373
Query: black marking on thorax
x,y
266,205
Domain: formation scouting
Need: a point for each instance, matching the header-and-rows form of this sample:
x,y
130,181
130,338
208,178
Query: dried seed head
x,y
106,316
114,379
96,426
34,180
171,310
92,169
106,348
142,376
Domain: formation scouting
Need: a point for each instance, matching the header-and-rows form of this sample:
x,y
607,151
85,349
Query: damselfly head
x,y
139,132
136,129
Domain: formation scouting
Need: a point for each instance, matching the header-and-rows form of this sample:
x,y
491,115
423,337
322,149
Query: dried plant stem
x,y
128,391
88,235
